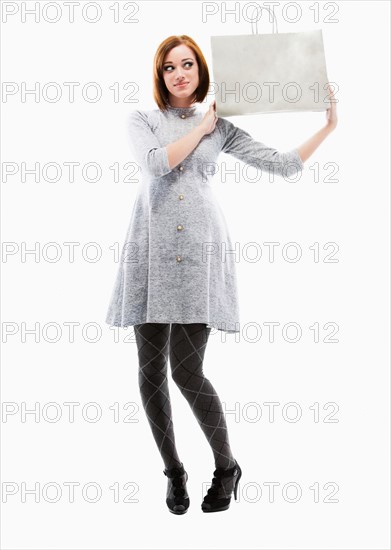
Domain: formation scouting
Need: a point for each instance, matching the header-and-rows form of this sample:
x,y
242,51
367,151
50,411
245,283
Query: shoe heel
x,y
236,485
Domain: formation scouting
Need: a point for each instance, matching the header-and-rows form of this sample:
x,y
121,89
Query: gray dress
x,y
177,263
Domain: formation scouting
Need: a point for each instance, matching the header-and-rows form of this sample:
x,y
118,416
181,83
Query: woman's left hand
x,y
331,112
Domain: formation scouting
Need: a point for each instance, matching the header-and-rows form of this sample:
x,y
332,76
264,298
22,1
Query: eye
x,y
171,66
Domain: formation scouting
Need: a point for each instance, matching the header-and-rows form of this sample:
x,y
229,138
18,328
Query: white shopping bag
x,y
266,73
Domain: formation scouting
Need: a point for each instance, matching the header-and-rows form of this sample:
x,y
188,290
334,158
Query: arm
x,y
180,149
146,148
239,143
153,158
308,147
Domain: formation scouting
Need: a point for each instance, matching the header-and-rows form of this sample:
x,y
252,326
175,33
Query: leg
x,y
187,349
152,342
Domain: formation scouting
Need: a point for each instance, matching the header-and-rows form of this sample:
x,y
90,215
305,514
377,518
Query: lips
x,y
181,85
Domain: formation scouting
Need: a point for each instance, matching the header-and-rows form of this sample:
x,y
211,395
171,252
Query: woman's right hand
x,y
210,118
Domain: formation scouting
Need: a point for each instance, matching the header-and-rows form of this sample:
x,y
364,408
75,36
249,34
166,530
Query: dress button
x,y
178,258
179,227
181,197
181,168
183,116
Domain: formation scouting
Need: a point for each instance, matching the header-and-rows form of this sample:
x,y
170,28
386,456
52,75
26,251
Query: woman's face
x,y
180,67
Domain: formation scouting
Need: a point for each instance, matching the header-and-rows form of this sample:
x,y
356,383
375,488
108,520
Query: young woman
x,y
177,277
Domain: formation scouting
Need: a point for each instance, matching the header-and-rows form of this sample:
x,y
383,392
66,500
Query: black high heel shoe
x,y
177,498
218,497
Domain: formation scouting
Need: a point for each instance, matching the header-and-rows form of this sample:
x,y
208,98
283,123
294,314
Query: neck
x,y
184,103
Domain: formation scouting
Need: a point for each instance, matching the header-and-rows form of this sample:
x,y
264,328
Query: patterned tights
x,y
185,345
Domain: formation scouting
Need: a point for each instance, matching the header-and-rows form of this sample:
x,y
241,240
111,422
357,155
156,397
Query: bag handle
x,y
256,19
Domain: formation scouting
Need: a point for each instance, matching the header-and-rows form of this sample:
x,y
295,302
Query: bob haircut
x,y
160,92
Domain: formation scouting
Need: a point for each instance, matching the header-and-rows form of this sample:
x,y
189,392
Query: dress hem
x,y
223,326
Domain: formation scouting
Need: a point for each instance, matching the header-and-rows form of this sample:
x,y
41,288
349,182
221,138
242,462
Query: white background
x,y
351,374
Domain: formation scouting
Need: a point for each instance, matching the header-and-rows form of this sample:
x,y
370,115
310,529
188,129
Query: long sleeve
x,y
146,149
239,143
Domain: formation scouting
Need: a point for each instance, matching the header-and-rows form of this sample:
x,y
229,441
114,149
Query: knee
x,y
184,377
179,375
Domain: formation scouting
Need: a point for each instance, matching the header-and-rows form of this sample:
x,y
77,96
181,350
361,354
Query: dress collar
x,y
183,110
